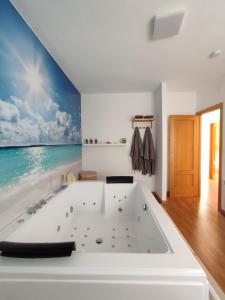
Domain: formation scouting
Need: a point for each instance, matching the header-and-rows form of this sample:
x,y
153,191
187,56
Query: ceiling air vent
x,y
167,25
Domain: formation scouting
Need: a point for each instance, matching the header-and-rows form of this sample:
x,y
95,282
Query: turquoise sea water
x,y
17,163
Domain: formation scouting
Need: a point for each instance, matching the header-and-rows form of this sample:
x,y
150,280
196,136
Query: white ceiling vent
x,y
167,25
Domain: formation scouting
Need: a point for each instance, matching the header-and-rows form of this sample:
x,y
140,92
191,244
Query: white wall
x,y
181,103
107,117
208,95
161,141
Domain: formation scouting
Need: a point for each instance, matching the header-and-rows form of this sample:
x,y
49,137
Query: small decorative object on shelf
x,y
123,140
91,141
86,141
96,141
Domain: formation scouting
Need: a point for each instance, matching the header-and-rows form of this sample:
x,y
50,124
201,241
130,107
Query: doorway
x,y
211,155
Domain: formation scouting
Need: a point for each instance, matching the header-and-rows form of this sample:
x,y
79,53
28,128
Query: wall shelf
x,y
142,123
105,145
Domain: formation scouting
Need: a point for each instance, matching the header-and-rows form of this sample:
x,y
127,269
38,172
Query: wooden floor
x,y
204,228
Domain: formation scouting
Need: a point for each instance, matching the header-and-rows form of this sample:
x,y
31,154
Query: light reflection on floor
x,y
209,194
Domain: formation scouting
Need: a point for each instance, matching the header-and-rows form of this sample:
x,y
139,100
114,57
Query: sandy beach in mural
x,y
38,185
15,199
35,172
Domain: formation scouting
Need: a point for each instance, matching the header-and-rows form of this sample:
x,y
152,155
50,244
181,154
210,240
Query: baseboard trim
x,y
222,211
157,197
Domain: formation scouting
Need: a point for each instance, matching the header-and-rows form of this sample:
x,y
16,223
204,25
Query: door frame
x,y
213,140
200,113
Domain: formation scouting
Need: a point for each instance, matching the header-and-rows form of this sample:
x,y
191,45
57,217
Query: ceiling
x,y
106,45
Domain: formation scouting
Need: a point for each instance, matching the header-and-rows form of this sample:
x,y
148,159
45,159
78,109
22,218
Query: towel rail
x,y
141,121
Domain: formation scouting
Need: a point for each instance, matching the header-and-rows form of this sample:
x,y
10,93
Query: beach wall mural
x,y
40,122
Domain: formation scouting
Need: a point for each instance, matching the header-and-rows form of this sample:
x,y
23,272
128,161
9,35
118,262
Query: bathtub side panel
x,y
101,290
150,238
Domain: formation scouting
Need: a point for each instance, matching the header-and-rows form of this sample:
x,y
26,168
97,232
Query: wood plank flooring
x,y
204,229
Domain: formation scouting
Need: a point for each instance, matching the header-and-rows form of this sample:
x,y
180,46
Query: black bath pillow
x,y
119,179
37,250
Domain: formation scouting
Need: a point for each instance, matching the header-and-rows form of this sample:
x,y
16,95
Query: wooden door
x,y
214,151
184,156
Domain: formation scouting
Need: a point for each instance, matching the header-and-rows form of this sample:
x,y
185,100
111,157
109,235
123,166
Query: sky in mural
x,y
38,103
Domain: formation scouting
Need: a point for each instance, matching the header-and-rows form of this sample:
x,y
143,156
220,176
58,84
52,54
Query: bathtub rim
x,y
180,265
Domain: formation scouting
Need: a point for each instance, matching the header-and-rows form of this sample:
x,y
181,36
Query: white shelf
x,y
105,145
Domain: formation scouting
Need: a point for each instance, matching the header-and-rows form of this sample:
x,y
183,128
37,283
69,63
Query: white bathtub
x,y
126,248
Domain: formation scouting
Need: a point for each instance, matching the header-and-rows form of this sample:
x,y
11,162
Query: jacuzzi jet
x,y
20,221
145,207
99,241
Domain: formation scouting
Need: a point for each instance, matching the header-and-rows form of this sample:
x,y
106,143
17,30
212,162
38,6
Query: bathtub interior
x,y
99,217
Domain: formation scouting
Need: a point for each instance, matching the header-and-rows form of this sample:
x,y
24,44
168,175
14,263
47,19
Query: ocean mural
x,y
39,106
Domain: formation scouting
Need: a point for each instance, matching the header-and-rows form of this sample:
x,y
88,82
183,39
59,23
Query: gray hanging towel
x,y
136,151
149,155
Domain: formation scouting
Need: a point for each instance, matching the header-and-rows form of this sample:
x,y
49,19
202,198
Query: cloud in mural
x,y
8,112
38,102
20,124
